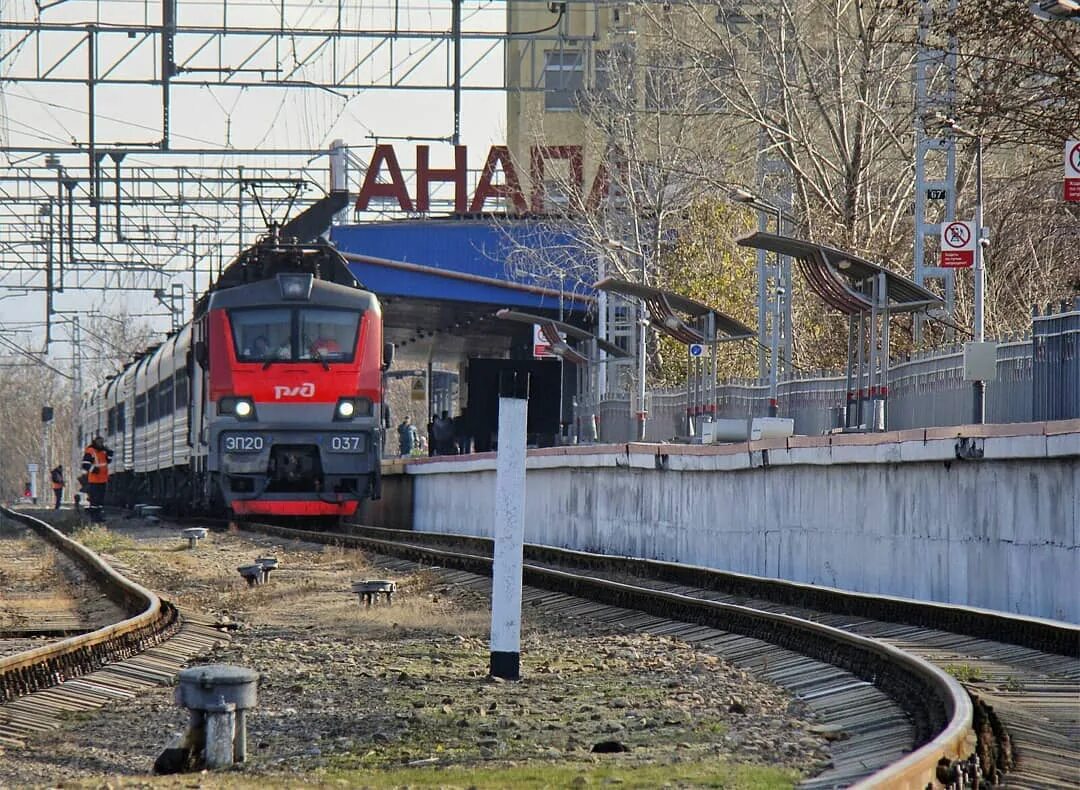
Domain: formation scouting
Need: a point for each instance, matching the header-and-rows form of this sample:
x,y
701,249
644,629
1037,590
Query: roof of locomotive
x,y
261,263
266,293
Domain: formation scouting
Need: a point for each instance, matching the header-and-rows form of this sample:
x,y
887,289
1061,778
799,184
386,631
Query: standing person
x,y
95,465
461,433
406,432
443,429
57,476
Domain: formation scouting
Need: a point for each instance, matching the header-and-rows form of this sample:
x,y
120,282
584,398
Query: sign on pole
x,y
1072,171
696,349
957,245
541,346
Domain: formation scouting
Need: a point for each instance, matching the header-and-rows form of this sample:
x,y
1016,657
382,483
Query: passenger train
x,y
266,404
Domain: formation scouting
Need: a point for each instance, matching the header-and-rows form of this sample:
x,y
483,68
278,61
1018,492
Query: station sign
x,y
1072,171
957,245
501,178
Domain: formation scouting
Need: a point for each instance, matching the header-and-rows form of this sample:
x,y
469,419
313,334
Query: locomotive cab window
x,y
294,335
328,334
262,335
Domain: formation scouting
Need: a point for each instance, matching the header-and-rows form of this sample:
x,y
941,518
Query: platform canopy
x,y
553,331
838,277
440,281
662,306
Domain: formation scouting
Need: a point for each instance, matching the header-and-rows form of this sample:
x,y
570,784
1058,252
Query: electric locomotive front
x,y
294,396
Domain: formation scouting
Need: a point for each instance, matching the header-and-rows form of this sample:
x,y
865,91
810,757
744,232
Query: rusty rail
x,y
152,621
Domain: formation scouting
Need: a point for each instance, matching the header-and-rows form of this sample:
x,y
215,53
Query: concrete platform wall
x,y
896,513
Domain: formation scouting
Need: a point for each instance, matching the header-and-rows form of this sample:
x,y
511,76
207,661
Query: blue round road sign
x,y
696,349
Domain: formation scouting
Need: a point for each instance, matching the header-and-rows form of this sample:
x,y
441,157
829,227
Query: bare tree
x,y
25,387
651,155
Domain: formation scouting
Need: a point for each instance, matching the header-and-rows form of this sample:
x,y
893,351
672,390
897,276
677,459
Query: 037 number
x,y
346,444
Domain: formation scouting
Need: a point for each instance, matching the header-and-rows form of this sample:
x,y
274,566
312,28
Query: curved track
x,y
1022,673
838,651
38,686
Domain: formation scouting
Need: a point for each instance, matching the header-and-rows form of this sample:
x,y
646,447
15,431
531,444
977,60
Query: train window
x,y
140,410
111,422
181,388
121,417
328,334
165,397
262,334
152,404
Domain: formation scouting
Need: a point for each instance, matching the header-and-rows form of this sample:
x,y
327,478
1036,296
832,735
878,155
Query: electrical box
x,y
980,361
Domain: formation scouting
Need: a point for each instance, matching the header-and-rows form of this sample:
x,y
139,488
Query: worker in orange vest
x,y
57,476
95,465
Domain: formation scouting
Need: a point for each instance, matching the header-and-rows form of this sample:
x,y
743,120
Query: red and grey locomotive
x,y
267,404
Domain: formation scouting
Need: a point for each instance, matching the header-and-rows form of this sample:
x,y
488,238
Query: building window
x,y
564,78
613,77
676,86
665,85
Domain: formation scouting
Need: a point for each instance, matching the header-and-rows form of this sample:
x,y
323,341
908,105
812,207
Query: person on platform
x,y
57,477
461,434
95,465
443,431
406,436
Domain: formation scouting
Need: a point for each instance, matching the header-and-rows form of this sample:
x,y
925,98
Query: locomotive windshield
x,y
294,335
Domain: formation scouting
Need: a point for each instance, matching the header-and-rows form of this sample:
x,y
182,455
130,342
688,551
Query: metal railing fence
x,y
926,391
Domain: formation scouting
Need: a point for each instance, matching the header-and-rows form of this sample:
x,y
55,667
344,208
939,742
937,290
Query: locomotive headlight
x,y
240,408
348,408
295,285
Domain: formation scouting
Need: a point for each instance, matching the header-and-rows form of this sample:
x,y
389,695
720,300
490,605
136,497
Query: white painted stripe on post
x,y
509,527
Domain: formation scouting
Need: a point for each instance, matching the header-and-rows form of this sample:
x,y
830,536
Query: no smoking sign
x,y
958,245
1072,171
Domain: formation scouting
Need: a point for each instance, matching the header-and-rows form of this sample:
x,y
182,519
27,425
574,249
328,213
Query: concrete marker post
x,y
509,526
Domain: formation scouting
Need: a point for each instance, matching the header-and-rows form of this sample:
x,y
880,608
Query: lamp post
x,y
978,386
750,199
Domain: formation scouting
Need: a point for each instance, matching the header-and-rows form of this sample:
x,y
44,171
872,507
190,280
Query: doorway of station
x,y
545,395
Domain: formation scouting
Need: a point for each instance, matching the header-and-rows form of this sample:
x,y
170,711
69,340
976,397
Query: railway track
x,y
43,594
1022,674
879,673
41,686
876,672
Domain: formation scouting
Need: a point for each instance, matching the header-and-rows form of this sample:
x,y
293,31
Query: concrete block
x,y
1066,444
1014,447
931,450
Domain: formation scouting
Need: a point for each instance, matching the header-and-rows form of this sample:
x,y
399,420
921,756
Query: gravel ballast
x,y
399,695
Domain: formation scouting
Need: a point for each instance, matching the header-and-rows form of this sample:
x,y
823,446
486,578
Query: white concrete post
x,y
509,526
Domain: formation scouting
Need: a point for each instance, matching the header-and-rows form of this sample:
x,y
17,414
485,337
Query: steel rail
x,y
153,621
1037,633
941,710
